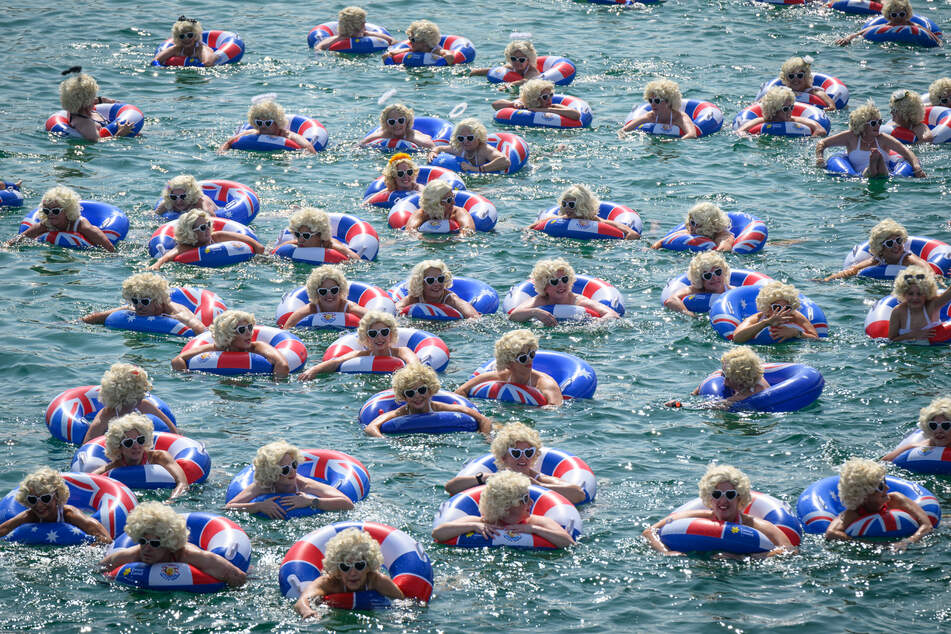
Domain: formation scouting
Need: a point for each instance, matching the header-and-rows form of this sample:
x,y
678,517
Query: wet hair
x,y
155,518
512,344
706,261
316,220
774,100
185,234
397,110
123,385
881,232
414,374
474,126
267,109
424,31
118,428
182,27
78,91
938,407
709,218
372,317
906,279
525,46
858,477
431,198
223,327
889,6
586,203
777,291
267,471
192,189
546,269
389,170
60,196
664,89
350,545
907,108
796,65
862,115
939,88
530,92
148,285
418,273
502,491
719,473
326,272
43,480
509,435
742,368
350,21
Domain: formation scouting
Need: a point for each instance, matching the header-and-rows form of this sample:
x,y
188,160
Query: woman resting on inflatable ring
x,y
396,122
79,96
268,117
908,111
520,57
233,331
311,228
578,201
327,289
896,12
888,244
148,296
275,471
60,211
123,389
468,142
517,447
378,334
424,37
417,384
162,536
182,194
664,97
504,506
777,105
429,283
186,42
553,279
916,316
44,494
934,421
352,562
351,24
777,309
193,229
708,220
796,73
867,145
709,273
742,373
863,491
536,95
129,444
939,93
437,203
514,352
400,172
724,490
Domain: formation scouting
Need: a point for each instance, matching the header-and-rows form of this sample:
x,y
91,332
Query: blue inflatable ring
x,y
514,147
378,195
575,379
234,201
212,255
205,304
935,252
69,415
735,305
551,462
111,220
438,129
11,196
591,287
858,7
482,210
431,423
228,47
462,49
707,119
189,454
922,31
234,363
558,70
783,128
700,302
792,386
532,119
114,113
836,90
840,165
366,295
550,222
482,297
356,233
310,129
927,460
750,236
355,45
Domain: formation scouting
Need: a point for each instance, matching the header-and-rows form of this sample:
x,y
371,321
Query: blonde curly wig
x,y
858,478
511,434
314,219
859,117
795,65
123,385
465,127
887,228
424,32
502,491
938,407
181,27
267,471
326,272
118,428
59,196
267,109
774,100
586,203
888,6
395,110
348,546
706,261
525,47
907,108
223,327
742,368
431,199
155,518
530,92
777,292
148,285
372,317
544,270
351,21
416,284
185,234
719,473
939,88
512,344
709,218
78,92
664,89
41,481
413,375
907,278
187,182
399,161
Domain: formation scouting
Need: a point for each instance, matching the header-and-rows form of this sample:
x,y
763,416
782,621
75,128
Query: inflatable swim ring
x,y
482,297
552,462
233,363
591,287
109,502
840,165
782,128
514,147
205,304
876,322
403,559
11,196
575,379
189,454
550,222
700,302
212,255
366,295
228,47
69,415
936,253
310,129
706,117
861,7
210,532
922,31
522,116
483,212
379,196
357,234
114,113
462,49
558,70
234,201
430,349
735,305
355,45
927,460
439,130
431,423
938,120
792,386
836,90
750,232
111,220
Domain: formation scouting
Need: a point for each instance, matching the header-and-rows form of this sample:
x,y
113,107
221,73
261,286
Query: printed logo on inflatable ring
x,y
204,356
511,536
735,529
126,572
327,317
170,572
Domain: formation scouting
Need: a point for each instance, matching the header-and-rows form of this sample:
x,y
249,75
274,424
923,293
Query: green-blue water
x,y
647,458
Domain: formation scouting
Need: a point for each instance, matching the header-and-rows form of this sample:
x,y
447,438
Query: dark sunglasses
x,y
202,227
333,290
398,120
145,301
525,357
245,329
432,280
46,498
882,486
709,275
177,196
357,565
305,235
945,425
154,543
53,211
875,122
128,443
187,36
656,100
799,75
383,332
520,60
421,390
564,279
788,108
888,244
546,96
897,14
287,468
407,172
570,204
778,307
263,123
944,100
918,276
518,453
462,138
729,493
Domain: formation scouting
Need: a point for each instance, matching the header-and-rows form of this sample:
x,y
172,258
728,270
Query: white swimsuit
x,y
928,324
860,158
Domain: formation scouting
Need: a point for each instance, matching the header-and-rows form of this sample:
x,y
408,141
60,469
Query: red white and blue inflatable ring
x,y
938,120
550,222
552,462
699,534
379,196
439,130
334,468
210,532
730,309
819,504
782,128
430,349
11,196
430,423
700,302
792,386
232,363
356,233
860,7
545,503
114,113
189,454
532,119
935,252
750,232
483,212
403,559
558,70
840,165
69,415
591,287
935,460
922,31
111,220
482,297
876,322
214,255
624,3
707,119
462,49
234,201
575,379
366,295
370,43
309,128
205,304
836,90
109,502
228,47
514,147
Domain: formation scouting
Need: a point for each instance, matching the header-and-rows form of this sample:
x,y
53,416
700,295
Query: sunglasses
x,y
563,279
432,280
333,290
245,329
787,108
778,307
888,244
462,138
526,499
897,14
154,543
305,235
421,390
875,122
570,204
729,493
202,227
881,486
917,276
933,424
546,96
287,468
45,498
128,443
518,453
795,75
709,275
406,172
145,301
520,60
448,199
53,211
656,100
177,196
186,36
398,120
525,357
263,123
944,100
357,565
412,40
383,332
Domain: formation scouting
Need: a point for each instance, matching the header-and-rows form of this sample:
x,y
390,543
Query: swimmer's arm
x,y
21,518
686,124
422,140
412,225
894,324
373,428
465,388
479,72
167,257
808,330
459,484
572,492
270,353
495,162
407,300
606,312
900,501
817,130
99,424
94,235
298,315
208,56
181,361
329,498
821,94
749,328
528,310
564,111
779,539
836,529
549,388
343,248
107,467
214,565
223,236
652,535
724,241
845,41
330,365
485,423
163,55
749,124
314,590
633,123
146,407
374,136
629,233
304,144
384,585
164,459
851,271
355,309
100,317
464,220
119,558
407,355
943,297
72,515
839,139
498,104
888,142
547,528
35,230
188,318
463,525
462,305
324,45
676,302
239,502
894,453
227,144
